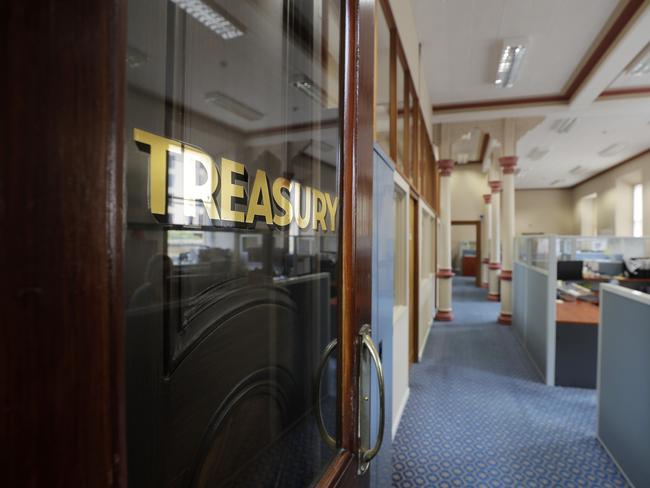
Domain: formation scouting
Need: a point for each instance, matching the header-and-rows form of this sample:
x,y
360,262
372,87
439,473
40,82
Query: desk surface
x,y
577,312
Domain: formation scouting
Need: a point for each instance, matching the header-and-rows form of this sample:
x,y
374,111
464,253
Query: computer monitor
x,y
569,270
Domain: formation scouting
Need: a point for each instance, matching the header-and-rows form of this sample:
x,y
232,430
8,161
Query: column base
x,y
444,316
493,297
505,319
484,285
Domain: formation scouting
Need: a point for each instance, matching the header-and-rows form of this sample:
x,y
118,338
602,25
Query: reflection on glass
x,y
400,115
382,95
231,236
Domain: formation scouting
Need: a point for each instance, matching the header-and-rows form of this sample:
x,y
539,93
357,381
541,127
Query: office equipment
x,y
569,270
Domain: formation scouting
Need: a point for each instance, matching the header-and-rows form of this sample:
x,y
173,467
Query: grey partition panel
x,y
624,384
519,289
537,331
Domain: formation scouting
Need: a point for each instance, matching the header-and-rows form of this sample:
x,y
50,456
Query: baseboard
x,y
398,415
426,338
615,461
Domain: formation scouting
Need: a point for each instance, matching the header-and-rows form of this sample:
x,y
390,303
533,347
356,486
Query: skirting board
x,y
400,411
426,338
615,461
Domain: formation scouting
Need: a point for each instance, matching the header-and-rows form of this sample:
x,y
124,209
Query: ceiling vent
x,y
562,126
537,153
556,182
612,149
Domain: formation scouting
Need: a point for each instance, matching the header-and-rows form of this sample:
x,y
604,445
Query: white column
x,y
444,274
494,267
487,239
508,164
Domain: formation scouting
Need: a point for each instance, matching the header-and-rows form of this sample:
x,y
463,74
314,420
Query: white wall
x,y
544,212
612,205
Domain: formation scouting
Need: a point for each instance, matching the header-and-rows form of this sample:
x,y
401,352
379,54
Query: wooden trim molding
x,y
498,103
61,296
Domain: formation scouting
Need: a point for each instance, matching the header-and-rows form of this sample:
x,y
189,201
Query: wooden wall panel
x,y
61,260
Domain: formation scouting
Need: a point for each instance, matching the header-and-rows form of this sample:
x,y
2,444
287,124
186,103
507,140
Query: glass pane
x,y
382,95
400,115
231,239
401,249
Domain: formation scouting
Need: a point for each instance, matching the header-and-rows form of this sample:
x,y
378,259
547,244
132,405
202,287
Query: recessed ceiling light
x,y
135,58
510,60
612,149
213,17
562,126
640,65
233,106
304,84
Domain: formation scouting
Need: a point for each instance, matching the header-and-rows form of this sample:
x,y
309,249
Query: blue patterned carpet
x,y
478,414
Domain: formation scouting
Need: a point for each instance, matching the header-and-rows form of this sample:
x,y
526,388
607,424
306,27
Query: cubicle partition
x,y
623,384
533,315
556,280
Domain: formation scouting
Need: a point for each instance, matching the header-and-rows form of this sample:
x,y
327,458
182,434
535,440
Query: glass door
x,y
232,241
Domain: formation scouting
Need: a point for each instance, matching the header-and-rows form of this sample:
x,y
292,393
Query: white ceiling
x,y
579,147
460,48
461,42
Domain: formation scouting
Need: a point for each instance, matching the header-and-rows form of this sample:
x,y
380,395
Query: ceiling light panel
x,y
213,17
233,106
510,61
612,149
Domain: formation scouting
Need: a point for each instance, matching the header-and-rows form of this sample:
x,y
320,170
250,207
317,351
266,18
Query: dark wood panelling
x,y
61,218
357,88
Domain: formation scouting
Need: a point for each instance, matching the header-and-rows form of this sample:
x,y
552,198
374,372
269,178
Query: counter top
x,y
578,312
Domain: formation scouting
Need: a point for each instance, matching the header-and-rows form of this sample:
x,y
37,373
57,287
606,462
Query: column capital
x,y
495,186
445,166
487,198
508,163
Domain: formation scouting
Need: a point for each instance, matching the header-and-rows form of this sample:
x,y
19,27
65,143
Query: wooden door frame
x,y
62,384
62,291
414,284
479,252
355,239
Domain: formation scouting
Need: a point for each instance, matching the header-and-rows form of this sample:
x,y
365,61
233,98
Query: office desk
x,y
576,344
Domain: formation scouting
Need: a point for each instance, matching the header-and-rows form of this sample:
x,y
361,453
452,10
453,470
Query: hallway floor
x,y
479,415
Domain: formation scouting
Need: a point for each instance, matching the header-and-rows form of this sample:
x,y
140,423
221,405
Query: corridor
x,y
478,414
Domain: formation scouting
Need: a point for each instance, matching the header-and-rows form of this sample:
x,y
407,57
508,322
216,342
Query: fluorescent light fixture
x,y
233,106
612,149
562,126
304,84
537,153
213,17
135,58
640,65
512,55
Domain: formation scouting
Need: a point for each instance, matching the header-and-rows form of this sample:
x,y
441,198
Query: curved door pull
x,y
365,456
328,439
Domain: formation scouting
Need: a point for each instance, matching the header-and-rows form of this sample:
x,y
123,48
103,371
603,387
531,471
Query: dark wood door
x,y
197,382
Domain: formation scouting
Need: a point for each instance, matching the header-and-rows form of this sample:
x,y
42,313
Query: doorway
x,y
466,248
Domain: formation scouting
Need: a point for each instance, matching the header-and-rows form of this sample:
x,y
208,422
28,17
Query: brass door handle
x,y
328,439
365,456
